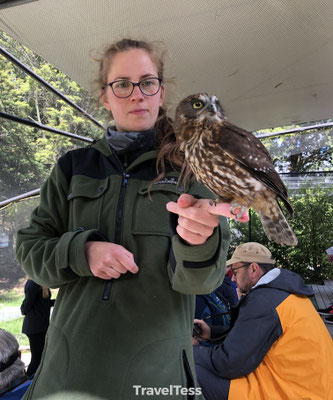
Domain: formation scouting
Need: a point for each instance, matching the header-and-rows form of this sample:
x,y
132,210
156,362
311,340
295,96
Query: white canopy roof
x,y
269,61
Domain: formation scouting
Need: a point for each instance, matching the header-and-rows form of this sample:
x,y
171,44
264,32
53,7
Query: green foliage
x,y
12,218
15,328
313,227
311,150
11,298
28,154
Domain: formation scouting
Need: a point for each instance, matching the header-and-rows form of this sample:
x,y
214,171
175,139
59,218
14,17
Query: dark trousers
x,y
213,386
37,342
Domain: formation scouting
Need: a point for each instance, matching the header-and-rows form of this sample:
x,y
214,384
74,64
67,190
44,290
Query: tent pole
x,y
30,72
34,124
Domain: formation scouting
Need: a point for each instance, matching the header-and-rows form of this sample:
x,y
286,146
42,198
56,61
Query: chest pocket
x,y
85,197
150,215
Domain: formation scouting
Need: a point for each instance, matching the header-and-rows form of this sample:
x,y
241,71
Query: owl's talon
x,y
237,210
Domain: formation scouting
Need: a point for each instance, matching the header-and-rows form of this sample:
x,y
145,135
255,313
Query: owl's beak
x,y
212,108
212,112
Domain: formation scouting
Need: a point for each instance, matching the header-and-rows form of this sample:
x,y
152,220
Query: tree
x,y
300,152
11,219
313,227
28,154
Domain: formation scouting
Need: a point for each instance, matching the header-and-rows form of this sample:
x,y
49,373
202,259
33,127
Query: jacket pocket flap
x,y
81,186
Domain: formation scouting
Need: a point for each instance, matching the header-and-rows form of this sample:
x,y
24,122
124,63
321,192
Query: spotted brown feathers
x,y
232,163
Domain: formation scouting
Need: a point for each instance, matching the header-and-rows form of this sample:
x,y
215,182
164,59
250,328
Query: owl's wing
x,y
253,156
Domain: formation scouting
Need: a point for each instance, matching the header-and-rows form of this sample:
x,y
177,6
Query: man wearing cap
x,y
278,347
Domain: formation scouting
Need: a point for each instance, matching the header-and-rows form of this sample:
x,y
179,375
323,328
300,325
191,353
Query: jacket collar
x,y
144,139
268,277
103,147
130,142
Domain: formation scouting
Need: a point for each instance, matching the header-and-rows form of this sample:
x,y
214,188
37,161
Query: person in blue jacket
x,y
36,308
215,309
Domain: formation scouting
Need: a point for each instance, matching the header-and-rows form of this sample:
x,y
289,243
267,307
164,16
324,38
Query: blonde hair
x,y
165,137
46,292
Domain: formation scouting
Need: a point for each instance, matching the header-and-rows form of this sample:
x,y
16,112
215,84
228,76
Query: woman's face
x,y
137,112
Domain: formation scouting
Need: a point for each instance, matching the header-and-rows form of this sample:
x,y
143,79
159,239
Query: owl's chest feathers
x,y
218,170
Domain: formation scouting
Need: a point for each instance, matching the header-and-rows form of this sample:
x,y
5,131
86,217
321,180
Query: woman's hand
x,y
108,260
205,329
198,218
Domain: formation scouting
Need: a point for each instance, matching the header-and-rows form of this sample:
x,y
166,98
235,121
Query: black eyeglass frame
x,y
133,86
242,266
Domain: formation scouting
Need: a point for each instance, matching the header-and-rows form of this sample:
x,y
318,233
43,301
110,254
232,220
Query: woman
x,y
124,313
36,309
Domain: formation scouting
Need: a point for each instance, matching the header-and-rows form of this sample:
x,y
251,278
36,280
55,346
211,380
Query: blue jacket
x,y
17,393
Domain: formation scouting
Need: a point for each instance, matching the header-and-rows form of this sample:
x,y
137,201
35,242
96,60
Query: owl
x,y
232,163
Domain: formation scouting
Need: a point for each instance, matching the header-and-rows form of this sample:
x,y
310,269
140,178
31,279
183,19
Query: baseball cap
x,y
251,252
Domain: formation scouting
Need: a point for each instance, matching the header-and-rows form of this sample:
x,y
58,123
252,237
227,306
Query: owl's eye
x,y
197,104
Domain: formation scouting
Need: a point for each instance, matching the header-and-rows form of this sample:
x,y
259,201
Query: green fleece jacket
x,y
113,338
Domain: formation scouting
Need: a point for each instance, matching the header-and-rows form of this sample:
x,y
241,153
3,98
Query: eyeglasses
x,y
242,266
123,88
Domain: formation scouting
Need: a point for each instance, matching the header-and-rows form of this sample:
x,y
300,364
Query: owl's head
x,y
200,106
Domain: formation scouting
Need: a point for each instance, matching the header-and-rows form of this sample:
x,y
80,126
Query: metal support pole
x,y
30,72
295,130
250,227
27,195
34,124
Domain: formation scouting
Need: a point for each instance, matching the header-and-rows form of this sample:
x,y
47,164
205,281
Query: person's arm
x,y
48,253
199,269
256,329
205,329
210,332
218,333
53,256
31,293
200,240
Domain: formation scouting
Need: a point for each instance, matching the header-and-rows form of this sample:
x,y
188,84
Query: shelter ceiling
x,y
269,61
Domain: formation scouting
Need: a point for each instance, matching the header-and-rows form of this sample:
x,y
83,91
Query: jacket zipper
x,y
117,235
188,376
120,208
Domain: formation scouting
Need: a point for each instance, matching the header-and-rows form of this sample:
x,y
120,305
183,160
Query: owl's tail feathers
x,y
279,231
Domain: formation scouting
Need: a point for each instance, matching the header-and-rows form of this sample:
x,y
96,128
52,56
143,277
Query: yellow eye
x,y
197,104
